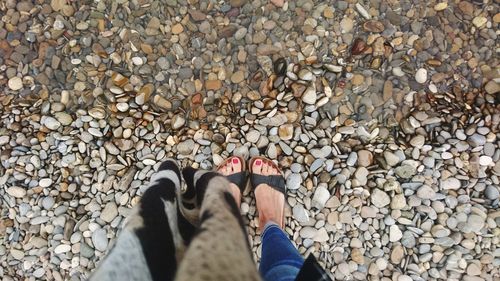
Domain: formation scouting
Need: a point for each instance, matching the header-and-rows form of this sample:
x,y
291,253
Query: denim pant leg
x,y
280,260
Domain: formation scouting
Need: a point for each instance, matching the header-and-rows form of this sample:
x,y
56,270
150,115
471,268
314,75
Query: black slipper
x,y
239,178
277,182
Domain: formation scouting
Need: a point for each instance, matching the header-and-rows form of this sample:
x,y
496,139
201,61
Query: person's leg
x,y
154,235
280,260
220,250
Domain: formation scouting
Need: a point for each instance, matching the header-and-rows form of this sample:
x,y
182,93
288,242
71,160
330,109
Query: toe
x,y
235,165
270,168
223,169
257,166
275,171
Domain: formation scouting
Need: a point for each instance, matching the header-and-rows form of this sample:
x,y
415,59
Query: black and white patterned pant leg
x,y
154,236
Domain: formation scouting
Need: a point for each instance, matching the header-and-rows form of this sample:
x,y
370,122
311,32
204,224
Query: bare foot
x,y
231,166
270,202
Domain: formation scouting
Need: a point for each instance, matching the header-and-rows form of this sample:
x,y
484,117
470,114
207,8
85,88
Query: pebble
x,y
421,75
293,181
485,160
100,240
109,212
417,141
395,233
185,147
321,195
426,192
299,213
51,123
379,198
63,248
450,183
16,191
309,96
398,202
15,83
474,224
365,158
491,192
390,158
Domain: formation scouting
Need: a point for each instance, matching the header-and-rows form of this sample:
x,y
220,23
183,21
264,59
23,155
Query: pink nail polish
x,y
258,162
235,160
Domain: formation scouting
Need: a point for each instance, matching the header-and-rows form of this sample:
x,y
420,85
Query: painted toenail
x,y
235,160
258,162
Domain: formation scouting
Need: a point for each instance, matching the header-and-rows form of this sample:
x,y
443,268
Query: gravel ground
x,y
383,114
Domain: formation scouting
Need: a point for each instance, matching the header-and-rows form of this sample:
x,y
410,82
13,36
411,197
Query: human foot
x,y
270,199
231,166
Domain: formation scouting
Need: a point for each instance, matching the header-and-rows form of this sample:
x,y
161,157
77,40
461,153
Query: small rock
x,y
491,192
492,87
305,74
379,198
479,21
45,182
309,96
405,171
178,122
417,141
426,192
421,76
365,158
15,83
293,181
321,235
346,25
278,3
404,278
474,224
177,28
63,248
450,183
390,158
485,160
16,191
51,123
100,240
237,77
109,212
321,195
440,6
397,254
185,147
285,131
395,233
398,202
213,85
299,213
252,136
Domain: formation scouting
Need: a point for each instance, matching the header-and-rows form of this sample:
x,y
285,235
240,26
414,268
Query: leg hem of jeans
x,y
270,225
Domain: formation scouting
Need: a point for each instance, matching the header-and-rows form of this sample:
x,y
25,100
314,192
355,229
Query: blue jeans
x,y
280,260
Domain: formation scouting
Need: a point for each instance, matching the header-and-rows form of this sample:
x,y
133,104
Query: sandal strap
x,y
240,179
275,181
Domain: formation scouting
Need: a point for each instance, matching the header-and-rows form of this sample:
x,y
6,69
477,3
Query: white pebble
x,y
137,61
485,160
421,76
15,83
63,248
45,182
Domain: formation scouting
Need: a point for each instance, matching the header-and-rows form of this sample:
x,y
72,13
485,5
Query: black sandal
x,y
239,178
277,182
